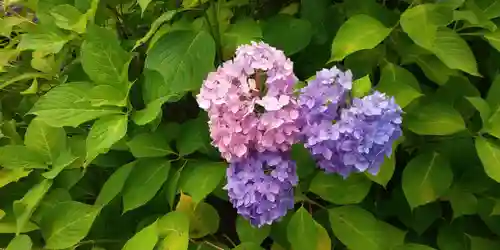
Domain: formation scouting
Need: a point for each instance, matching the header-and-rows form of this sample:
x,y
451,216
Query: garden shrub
x,y
113,124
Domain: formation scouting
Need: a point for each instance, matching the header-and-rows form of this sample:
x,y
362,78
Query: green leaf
x,y
151,112
149,145
426,177
287,33
434,69
477,243
8,225
105,133
68,105
493,38
171,189
165,17
358,33
203,218
421,23
454,52
144,5
114,185
46,39
482,106
67,223
20,242
362,86
69,18
193,136
490,8
453,4
46,140
462,203
106,94
103,59
174,228
145,239
201,178
301,230
248,233
64,159
435,119
17,156
400,83
12,175
412,246
24,208
489,153
305,163
334,188
360,230
192,3
146,178
243,31
183,58
324,241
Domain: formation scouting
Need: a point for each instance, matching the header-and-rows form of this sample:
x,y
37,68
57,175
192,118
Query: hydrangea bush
x,y
250,124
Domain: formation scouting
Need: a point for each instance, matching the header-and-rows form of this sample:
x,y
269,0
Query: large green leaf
x,y
67,223
20,242
287,33
46,39
114,185
358,33
301,230
144,181
489,153
103,59
427,177
165,17
68,105
490,8
462,202
450,48
248,233
183,58
69,18
434,119
105,133
46,140
200,178
243,31
193,136
174,228
334,188
24,208
149,145
400,83
482,107
64,159
203,218
421,23
17,156
12,175
360,230
145,239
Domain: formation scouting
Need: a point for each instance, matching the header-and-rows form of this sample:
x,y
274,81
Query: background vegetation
x,y
103,145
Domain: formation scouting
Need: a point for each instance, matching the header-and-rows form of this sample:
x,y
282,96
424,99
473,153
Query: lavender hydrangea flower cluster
x,y
343,135
254,119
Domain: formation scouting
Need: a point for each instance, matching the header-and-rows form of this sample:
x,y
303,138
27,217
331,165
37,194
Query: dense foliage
x,y
103,145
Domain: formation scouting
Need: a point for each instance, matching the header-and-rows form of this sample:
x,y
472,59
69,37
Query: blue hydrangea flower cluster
x,y
345,135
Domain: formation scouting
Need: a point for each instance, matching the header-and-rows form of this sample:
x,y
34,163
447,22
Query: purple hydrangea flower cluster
x,y
343,135
261,187
254,119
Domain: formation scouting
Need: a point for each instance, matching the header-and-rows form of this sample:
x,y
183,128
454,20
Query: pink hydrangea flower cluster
x,y
250,102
